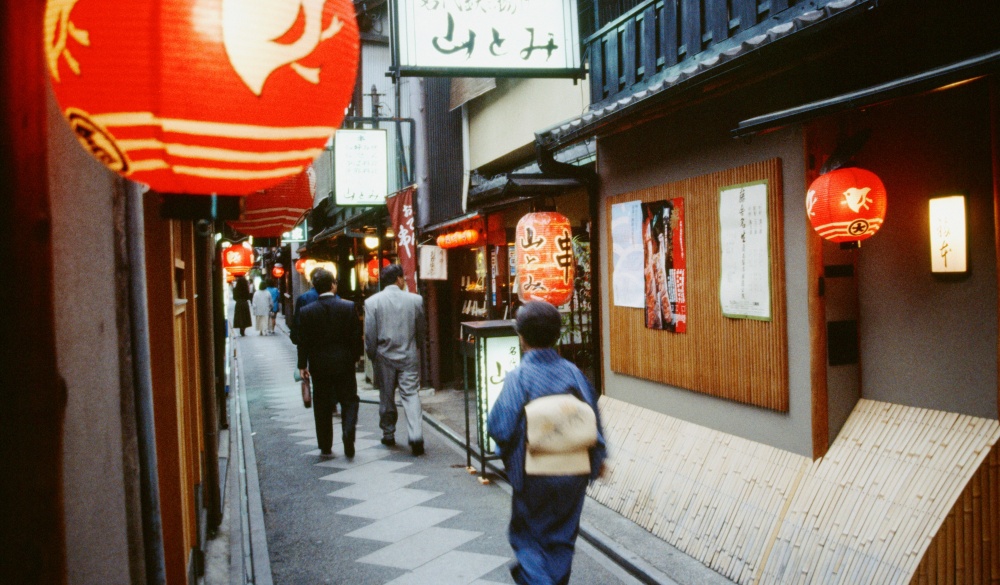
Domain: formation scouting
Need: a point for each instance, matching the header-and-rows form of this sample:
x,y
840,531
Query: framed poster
x,y
361,167
664,265
745,282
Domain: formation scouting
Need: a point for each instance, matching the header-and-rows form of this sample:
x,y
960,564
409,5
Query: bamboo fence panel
x,y
903,495
737,359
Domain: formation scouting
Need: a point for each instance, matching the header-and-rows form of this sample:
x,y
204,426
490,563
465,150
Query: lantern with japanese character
x,y
237,260
278,271
846,205
545,262
203,96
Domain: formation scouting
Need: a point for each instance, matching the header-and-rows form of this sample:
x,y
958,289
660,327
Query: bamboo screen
x,y
904,495
738,359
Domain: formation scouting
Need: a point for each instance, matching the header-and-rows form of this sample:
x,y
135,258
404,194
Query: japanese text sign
x,y
491,38
361,167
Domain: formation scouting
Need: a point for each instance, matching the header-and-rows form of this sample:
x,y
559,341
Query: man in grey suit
x,y
394,332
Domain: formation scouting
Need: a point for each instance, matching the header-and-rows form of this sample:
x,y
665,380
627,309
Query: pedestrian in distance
x,y
241,313
549,476
394,332
261,309
328,349
272,318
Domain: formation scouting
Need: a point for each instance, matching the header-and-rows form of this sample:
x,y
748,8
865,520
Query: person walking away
x,y
272,318
241,313
394,332
305,299
547,498
328,349
261,309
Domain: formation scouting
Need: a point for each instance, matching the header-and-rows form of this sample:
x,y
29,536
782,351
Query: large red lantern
x,y
278,271
237,260
273,211
203,96
846,205
545,262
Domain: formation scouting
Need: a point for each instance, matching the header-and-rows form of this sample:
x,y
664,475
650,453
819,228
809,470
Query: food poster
x,y
664,265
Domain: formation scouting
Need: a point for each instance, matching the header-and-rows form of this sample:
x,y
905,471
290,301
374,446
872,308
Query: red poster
x,y
665,266
401,214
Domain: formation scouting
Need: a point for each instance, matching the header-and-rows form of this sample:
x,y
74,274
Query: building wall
x,y
82,192
505,119
653,154
927,342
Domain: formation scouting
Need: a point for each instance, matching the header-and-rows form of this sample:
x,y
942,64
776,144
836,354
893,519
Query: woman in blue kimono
x,y
545,509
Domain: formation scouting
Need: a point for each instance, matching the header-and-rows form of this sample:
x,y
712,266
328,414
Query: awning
x,y
914,84
450,222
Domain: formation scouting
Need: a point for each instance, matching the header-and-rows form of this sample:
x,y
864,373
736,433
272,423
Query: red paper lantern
x,y
373,268
545,263
471,237
203,96
272,212
300,265
237,260
229,277
846,205
278,271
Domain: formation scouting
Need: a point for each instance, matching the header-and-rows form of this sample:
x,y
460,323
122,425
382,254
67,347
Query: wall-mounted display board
x,y
745,360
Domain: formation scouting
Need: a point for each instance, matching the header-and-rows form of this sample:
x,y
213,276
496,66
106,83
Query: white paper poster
x,y
627,254
745,287
361,167
433,263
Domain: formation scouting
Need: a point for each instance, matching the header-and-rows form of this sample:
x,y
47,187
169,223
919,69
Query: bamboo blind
x,y
903,494
739,359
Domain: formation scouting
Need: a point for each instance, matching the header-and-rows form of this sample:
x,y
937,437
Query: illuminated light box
x,y
949,252
540,38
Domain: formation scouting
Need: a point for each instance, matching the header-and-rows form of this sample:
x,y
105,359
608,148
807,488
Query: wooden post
x,y
32,395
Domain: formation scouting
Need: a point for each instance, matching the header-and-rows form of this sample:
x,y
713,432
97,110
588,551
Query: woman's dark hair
x,y
390,274
538,323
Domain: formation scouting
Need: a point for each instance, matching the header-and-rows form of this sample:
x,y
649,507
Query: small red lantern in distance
x,y
278,271
545,263
203,96
237,260
846,204
373,267
300,265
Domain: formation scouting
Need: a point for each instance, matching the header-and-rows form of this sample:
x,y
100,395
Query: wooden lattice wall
x,y
904,495
737,359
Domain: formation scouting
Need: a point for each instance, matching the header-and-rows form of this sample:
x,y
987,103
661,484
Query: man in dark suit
x,y
329,346
304,299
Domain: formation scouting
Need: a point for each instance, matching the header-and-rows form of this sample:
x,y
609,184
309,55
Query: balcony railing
x,y
657,35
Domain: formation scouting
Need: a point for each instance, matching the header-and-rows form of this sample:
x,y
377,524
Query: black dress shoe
x,y
417,447
349,449
388,441
326,452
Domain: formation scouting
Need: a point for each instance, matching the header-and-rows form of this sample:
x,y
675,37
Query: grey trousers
x,y
388,376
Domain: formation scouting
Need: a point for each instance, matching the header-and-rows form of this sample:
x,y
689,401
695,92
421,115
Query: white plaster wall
x,y
506,118
654,155
86,339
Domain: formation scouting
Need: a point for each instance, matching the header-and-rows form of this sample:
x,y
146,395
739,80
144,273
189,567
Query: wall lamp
x,y
949,239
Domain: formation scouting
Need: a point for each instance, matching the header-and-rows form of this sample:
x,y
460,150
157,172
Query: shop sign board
x,y
433,263
518,38
361,167
496,357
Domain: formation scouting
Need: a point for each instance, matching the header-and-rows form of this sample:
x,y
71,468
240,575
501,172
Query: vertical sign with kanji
x,y
402,217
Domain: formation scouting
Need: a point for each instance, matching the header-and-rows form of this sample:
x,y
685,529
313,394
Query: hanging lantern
x,y
846,205
373,270
471,237
195,96
229,276
545,263
300,266
278,271
237,260
271,212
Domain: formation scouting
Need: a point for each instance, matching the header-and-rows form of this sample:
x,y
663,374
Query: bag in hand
x,y
306,394
561,430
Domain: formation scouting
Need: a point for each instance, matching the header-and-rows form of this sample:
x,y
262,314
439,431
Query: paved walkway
x,y
294,517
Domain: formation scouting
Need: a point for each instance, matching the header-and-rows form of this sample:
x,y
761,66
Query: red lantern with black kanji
x,y
545,263
203,96
278,271
300,265
846,204
237,260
